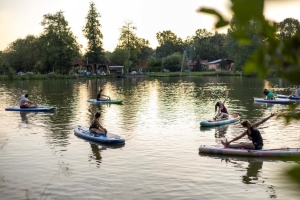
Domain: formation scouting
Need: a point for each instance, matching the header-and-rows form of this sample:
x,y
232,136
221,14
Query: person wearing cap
x,y
253,134
269,95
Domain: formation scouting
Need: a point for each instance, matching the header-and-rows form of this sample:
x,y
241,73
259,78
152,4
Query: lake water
x,y
41,158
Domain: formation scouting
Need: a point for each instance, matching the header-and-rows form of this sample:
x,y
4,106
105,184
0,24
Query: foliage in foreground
x,y
280,53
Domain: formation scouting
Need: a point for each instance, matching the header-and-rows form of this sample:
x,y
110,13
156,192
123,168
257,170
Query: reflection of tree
x,y
96,154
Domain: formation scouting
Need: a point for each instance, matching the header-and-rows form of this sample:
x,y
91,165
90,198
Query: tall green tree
x,y
60,47
119,56
169,43
128,40
288,28
23,54
240,53
92,32
146,50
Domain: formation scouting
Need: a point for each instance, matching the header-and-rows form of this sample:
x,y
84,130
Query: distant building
x,y
115,69
216,65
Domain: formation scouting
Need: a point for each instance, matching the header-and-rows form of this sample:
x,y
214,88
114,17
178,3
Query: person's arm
x,y
237,138
91,111
105,96
263,120
225,98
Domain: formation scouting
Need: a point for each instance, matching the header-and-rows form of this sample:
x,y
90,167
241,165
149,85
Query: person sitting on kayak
x,y
222,111
100,95
253,134
25,103
269,95
95,125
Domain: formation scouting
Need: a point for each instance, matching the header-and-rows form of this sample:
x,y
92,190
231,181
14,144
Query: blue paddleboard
x,y
83,132
36,109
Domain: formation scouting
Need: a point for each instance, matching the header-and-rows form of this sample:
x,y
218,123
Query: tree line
x,y
56,48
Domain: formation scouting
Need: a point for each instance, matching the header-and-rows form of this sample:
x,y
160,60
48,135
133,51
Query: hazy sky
x,y
18,18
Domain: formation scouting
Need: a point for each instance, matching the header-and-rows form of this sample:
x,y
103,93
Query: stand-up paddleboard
x,y
248,152
233,118
288,97
105,101
275,101
35,109
83,132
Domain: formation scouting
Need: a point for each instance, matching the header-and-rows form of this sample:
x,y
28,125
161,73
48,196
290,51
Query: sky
x,y
19,18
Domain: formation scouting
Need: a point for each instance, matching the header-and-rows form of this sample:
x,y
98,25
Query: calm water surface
x,y
41,158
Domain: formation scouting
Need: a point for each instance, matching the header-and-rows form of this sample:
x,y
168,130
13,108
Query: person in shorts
x,y
253,134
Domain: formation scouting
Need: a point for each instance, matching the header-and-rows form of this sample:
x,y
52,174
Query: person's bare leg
x,y
245,145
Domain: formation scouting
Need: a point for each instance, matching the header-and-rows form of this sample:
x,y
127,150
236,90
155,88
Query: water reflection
x,y
253,171
97,148
24,117
220,131
96,154
253,168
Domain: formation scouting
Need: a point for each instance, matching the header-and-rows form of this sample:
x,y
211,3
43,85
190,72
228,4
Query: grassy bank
x,y
45,77
150,74
176,74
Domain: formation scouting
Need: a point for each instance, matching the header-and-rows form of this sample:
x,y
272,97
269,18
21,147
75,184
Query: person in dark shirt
x,y
100,96
253,134
95,126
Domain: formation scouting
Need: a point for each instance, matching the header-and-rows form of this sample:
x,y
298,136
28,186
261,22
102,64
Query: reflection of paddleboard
x,y
84,133
233,118
288,97
275,101
105,101
36,109
247,152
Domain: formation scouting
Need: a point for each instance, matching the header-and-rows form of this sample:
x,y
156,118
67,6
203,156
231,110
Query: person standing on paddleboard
x,y
253,134
25,103
222,111
95,126
100,95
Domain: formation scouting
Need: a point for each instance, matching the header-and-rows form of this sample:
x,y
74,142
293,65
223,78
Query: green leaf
x,y
221,21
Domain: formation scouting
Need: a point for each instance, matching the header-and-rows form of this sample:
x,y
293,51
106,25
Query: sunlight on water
x,y
40,157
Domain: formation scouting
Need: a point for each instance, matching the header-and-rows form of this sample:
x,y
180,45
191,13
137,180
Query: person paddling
x,y
25,103
95,126
100,96
253,134
222,111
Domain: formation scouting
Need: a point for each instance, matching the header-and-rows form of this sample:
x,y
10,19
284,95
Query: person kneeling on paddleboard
x,y
222,111
25,103
269,95
95,125
253,134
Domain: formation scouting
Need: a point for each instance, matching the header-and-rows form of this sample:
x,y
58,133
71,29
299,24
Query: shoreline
x,y
145,75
